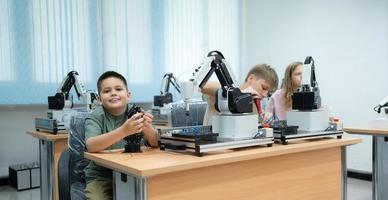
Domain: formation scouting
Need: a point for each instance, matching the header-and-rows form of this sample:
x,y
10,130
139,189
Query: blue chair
x,y
71,176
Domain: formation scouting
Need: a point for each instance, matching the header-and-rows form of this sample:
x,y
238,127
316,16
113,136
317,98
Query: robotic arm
x,y
165,96
229,99
168,79
63,99
382,104
307,97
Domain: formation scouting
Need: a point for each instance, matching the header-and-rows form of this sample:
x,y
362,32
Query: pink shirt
x,y
276,105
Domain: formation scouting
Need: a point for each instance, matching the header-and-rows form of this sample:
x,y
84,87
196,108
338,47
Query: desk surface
x,y
366,130
48,136
154,161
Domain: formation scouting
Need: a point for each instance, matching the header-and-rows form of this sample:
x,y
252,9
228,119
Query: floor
x,y
9,193
357,190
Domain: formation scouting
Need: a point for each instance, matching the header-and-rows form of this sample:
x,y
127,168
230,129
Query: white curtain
x,y
42,40
126,27
6,38
61,39
193,28
184,43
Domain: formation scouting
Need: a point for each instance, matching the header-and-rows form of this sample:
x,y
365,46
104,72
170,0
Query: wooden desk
x,y
366,130
300,170
379,158
50,149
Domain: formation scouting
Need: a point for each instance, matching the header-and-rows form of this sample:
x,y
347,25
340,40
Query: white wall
x,y
15,145
347,39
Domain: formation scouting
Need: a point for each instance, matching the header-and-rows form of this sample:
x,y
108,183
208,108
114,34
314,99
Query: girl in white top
x,y
281,101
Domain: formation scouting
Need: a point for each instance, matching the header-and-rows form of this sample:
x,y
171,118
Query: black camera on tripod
x,y
133,141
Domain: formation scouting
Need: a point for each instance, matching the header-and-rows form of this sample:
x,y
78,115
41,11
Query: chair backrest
x,y
77,147
63,175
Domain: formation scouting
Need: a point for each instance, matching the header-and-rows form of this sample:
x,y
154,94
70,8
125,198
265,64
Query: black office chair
x,y
63,175
71,176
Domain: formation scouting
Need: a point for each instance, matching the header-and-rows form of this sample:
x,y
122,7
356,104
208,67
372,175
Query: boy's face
x,y
259,85
114,95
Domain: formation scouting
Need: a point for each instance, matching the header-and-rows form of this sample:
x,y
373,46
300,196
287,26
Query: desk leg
x,y
46,159
129,187
344,174
374,167
380,166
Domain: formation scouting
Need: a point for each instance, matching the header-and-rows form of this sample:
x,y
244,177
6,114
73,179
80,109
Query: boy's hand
x,y
254,93
135,124
267,116
148,117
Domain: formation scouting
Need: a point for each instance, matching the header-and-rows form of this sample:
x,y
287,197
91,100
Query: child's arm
x,y
101,142
210,88
149,131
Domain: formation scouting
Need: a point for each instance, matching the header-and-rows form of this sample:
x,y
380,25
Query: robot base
x,y
235,126
200,139
284,139
199,148
132,148
310,121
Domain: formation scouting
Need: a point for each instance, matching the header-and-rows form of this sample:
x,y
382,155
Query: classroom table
x,y
306,169
51,147
379,157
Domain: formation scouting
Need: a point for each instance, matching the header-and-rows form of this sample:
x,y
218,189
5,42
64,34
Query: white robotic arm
x,y
307,97
168,79
165,96
63,99
383,104
198,79
229,98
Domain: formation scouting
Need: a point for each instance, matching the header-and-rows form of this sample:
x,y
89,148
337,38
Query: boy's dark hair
x,y
109,74
267,73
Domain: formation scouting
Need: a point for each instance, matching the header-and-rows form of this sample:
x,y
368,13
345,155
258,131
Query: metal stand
x,y
344,172
46,149
284,139
184,144
380,165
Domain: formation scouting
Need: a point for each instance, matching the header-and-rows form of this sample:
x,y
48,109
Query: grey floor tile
x,y
359,189
10,193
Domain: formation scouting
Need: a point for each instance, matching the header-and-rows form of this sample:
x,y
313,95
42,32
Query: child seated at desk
x,y
281,101
106,127
260,80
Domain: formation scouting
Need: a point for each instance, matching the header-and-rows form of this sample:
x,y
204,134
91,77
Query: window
x,y
185,39
61,40
141,39
225,31
193,28
127,39
6,51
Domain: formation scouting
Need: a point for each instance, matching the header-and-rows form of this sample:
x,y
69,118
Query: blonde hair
x,y
288,85
267,73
